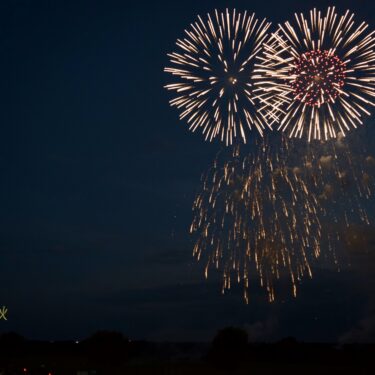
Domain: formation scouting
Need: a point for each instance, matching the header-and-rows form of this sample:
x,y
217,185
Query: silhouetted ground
x,y
111,353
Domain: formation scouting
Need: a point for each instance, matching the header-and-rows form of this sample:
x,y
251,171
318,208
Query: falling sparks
x,y
213,71
255,216
317,75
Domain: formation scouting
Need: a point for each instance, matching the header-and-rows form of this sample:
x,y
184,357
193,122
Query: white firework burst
x,y
213,72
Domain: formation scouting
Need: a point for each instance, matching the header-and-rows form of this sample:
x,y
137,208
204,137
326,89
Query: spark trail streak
x,y
213,75
317,75
255,216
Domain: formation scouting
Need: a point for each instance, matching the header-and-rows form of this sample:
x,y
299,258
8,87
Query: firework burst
x,y
213,75
255,216
318,74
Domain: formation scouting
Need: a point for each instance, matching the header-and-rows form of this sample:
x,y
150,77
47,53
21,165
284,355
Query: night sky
x,y
98,177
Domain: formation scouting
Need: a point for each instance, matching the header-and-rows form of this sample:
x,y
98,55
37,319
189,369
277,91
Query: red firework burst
x,y
318,77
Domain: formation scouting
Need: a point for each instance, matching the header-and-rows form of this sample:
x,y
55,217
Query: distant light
x,y
24,369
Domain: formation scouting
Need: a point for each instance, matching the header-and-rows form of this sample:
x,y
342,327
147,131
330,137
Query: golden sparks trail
x,y
317,75
213,75
256,217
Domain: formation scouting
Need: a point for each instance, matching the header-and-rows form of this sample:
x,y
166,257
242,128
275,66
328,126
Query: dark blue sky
x,y
98,178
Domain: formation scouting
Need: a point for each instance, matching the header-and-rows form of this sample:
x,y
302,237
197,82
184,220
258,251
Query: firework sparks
x,y
255,215
318,75
213,75
318,78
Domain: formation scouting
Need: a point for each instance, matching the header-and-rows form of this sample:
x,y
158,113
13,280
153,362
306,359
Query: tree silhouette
x,y
107,347
229,347
11,343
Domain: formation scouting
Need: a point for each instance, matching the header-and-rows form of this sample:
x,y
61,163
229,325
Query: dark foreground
x,y
111,353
